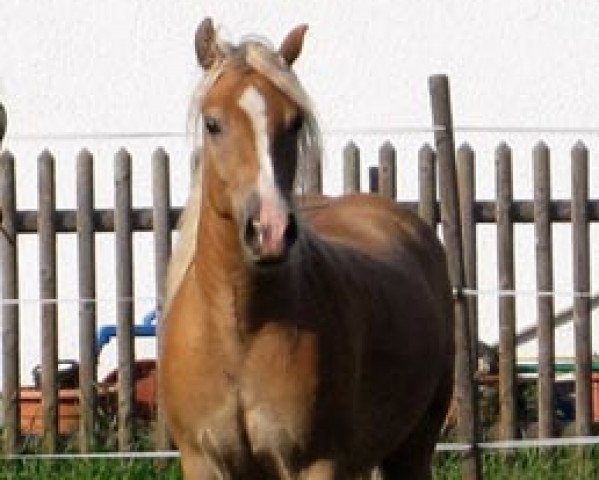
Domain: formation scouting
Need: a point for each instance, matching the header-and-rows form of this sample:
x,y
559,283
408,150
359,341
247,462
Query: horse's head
x,y
256,124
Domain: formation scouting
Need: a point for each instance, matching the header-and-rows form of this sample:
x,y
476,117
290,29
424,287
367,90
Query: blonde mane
x,y
266,61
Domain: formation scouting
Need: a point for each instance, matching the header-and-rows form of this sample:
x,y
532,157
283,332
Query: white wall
x,y
113,66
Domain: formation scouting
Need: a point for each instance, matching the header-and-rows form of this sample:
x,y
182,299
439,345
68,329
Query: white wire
x,y
517,444
464,128
93,456
408,129
412,129
57,301
67,136
30,137
440,447
456,291
470,292
530,129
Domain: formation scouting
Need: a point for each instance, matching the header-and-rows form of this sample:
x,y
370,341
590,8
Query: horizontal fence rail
x,y
484,212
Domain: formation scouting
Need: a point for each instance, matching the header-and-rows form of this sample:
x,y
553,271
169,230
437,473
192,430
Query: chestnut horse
x,y
304,338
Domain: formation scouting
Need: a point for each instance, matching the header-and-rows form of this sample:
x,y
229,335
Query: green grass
x,y
97,469
562,464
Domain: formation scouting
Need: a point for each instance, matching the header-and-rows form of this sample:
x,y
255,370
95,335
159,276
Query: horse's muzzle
x,y
269,229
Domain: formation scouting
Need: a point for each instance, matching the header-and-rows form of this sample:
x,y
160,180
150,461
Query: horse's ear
x,y
208,51
292,45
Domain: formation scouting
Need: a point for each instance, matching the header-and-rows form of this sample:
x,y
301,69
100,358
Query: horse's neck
x,y
219,267
219,255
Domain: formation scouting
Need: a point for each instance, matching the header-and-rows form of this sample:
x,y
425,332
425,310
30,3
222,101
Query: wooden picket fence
x,y
455,206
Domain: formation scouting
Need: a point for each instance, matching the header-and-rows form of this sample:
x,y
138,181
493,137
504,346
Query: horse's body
x,y
315,352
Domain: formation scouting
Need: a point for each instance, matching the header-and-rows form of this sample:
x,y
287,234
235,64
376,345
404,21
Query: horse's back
x,y
366,222
376,226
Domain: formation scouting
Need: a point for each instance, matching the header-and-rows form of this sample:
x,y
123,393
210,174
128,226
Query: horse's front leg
x,y
329,470
320,470
196,466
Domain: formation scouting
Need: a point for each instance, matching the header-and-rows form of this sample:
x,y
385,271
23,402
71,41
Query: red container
x,y
30,402
144,388
31,410
144,377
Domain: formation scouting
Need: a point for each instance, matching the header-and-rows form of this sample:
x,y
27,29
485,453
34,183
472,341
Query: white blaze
x,y
253,104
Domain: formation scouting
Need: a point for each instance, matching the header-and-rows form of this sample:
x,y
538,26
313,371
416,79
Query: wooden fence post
x,y
313,172
124,301
581,281
87,294
10,312
450,217
427,185
162,251
351,168
387,171
3,123
48,310
373,179
545,304
467,196
507,302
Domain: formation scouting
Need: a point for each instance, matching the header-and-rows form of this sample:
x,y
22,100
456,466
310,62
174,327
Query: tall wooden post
x,y
452,234
10,311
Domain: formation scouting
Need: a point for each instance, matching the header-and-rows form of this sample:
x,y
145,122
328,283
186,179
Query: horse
x,y
304,337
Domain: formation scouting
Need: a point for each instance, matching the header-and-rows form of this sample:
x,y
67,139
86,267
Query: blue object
x,y
146,329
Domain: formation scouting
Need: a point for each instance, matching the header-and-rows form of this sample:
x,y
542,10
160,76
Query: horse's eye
x,y
296,123
212,125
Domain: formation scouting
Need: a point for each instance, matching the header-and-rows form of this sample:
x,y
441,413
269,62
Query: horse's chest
x,y
278,387
267,403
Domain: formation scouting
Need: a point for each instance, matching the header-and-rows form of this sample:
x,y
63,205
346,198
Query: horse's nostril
x,y
250,234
